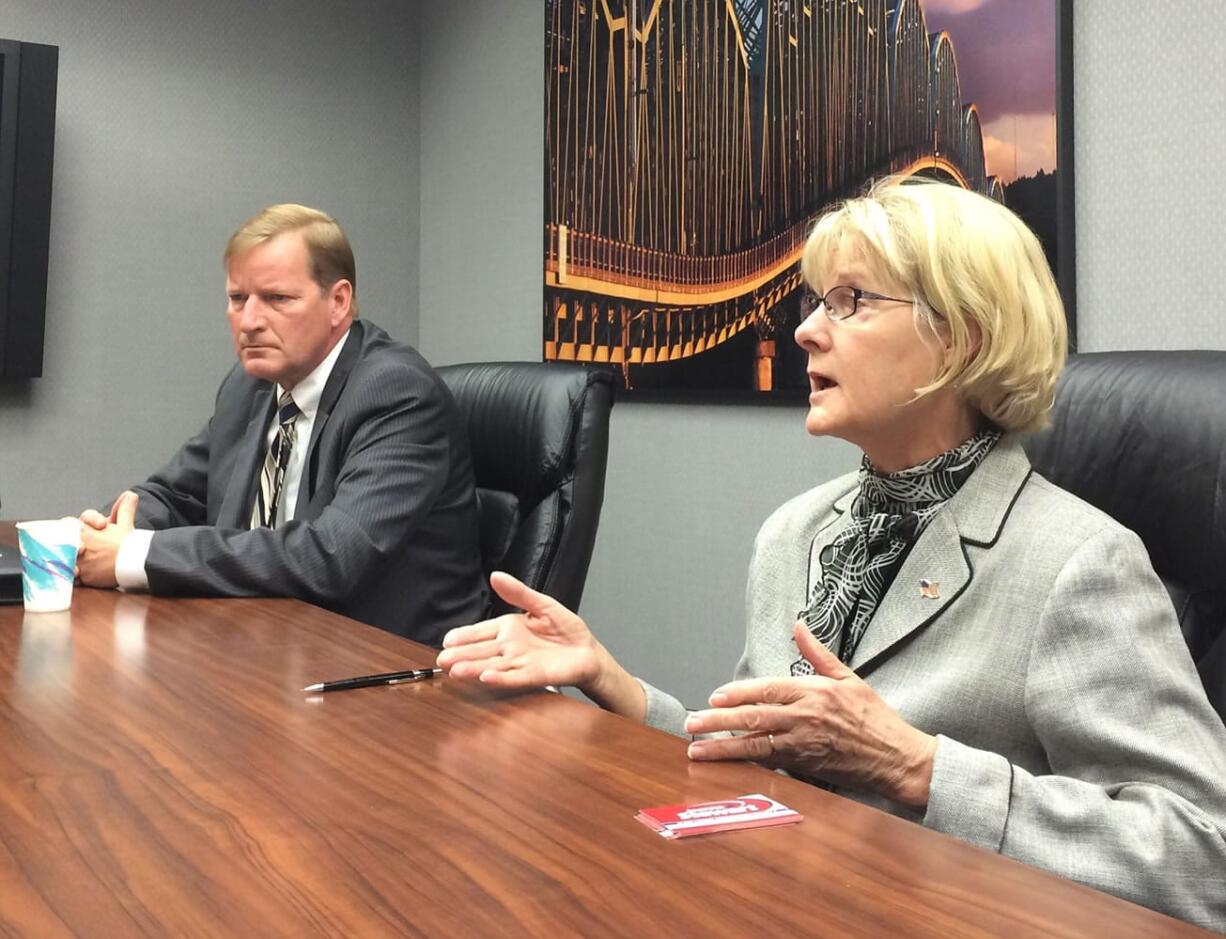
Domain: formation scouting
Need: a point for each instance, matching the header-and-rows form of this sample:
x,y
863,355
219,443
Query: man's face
x,y
284,324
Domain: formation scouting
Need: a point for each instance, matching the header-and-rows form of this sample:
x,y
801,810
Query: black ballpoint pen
x,y
366,681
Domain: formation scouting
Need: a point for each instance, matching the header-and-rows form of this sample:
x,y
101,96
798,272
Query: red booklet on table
x,y
703,818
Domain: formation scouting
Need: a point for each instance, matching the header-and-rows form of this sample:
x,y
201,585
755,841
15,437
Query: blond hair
x,y
328,249
976,271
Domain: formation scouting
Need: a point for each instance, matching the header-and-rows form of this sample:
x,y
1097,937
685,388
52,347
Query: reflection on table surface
x,y
163,774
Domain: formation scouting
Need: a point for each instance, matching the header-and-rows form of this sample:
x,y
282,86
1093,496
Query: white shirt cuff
x,y
130,561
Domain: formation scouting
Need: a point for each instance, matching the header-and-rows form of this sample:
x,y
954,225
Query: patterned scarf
x,y
889,513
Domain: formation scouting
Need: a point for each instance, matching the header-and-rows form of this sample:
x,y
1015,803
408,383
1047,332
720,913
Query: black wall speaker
x,y
27,143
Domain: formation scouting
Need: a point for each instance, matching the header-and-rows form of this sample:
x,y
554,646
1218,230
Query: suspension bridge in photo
x,y
691,144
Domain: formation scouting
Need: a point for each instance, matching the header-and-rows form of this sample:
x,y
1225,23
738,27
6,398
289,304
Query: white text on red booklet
x,y
704,818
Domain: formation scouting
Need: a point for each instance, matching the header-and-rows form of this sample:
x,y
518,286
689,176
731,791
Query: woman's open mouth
x,y
818,383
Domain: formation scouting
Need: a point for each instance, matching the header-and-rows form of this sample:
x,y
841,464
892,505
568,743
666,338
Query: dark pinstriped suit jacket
x,y
385,527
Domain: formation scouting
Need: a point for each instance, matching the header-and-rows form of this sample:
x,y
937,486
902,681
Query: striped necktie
x,y
272,476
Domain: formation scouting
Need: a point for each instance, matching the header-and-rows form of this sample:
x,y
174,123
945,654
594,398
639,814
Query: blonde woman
x,y
943,634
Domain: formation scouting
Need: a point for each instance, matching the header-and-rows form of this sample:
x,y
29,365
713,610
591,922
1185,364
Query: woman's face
x,y
863,372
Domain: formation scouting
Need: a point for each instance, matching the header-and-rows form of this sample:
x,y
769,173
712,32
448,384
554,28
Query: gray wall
x,y
688,486
1149,136
176,121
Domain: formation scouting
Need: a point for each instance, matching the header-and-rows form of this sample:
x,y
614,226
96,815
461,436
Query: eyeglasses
x,y
840,302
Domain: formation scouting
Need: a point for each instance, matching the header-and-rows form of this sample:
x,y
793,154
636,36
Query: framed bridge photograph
x,y
690,145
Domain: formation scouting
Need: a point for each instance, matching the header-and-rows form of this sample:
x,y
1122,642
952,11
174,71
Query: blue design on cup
x,y
43,564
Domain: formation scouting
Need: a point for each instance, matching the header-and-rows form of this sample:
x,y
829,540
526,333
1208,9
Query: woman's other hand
x,y
831,726
546,644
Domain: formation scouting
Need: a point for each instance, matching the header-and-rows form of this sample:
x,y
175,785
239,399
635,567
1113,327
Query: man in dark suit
x,y
335,468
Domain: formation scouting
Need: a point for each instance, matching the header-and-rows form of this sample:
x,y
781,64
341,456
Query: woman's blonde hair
x,y
980,277
328,249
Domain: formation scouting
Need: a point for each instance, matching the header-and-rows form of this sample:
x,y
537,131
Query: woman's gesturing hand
x,y
546,644
831,726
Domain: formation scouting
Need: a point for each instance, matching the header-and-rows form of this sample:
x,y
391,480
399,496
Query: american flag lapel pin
x,y
930,589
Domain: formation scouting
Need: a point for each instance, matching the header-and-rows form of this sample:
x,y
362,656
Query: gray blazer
x,y
385,526
1073,731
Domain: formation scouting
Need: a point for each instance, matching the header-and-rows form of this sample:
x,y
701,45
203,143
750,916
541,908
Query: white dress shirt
x,y
130,561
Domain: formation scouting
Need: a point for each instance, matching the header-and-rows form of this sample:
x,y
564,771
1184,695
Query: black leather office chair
x,y
540,439
1142,435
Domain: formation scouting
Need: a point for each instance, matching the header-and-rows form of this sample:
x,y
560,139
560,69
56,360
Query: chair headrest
x,y
1142,436
522,421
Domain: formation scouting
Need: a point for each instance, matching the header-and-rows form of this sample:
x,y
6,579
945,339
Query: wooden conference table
x,y
163,774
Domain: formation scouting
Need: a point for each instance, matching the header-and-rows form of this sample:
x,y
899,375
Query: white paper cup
x,y
48,560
